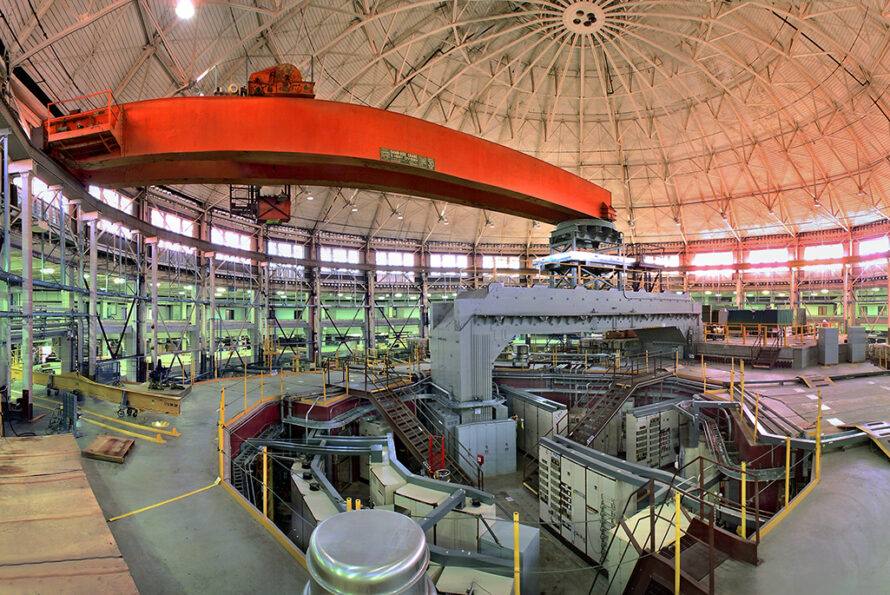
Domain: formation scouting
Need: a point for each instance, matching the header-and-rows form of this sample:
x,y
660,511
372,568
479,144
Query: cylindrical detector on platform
x,y
342,560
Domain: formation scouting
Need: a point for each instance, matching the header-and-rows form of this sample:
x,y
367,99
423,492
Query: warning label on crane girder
x,y
407,158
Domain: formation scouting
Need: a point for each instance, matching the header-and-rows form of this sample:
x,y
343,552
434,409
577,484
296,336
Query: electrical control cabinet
x,y
536,417
581,498
652,438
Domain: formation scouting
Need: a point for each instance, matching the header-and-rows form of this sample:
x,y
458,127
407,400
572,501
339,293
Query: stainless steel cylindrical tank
x,y
372,552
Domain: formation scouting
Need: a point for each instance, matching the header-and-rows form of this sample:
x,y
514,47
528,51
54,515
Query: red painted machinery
x,y
277,136
84,134
283,80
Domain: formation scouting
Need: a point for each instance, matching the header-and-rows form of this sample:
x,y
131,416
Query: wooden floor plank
x,y
53,536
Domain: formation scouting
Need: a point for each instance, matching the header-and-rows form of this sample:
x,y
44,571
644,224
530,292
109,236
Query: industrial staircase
x,y
766,355
413,434
601,411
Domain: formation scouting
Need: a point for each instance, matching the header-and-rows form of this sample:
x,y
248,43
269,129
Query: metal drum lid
x,y
371,552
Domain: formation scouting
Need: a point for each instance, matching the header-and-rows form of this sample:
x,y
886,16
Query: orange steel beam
x,y
286,140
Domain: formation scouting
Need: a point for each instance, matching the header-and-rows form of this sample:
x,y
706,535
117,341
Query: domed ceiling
x,y
704,119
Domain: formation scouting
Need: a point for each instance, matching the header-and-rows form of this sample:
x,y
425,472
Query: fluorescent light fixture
x,y
765,292
824,291
181,293
185,9
398,295
118,281
47,271
708,293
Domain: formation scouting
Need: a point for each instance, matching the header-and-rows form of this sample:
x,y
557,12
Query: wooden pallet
x,y
108,448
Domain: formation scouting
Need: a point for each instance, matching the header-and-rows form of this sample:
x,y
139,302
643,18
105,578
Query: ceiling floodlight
x,y
185,9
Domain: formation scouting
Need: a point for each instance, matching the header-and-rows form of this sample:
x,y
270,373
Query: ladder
x,y
412,432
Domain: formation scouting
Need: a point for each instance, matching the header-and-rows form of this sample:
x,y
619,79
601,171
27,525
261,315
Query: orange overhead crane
x,y
279,135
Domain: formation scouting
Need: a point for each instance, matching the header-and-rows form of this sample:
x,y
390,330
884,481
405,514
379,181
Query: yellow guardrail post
x,y
358,503
732,380
265,482
516,572
787,468
324,384
222,423
742,388
756,413
744,525
647,361
677,543
677,361
262,384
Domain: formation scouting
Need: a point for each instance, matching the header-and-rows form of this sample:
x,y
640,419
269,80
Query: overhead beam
x,y
323,143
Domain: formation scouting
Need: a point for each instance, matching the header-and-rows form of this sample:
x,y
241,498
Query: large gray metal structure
x,y
469,334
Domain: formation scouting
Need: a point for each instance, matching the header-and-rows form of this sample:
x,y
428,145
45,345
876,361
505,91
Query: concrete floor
x,y
835,541
205,543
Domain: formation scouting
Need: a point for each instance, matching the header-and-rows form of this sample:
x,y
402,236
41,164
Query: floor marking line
x,y
156,438
174,499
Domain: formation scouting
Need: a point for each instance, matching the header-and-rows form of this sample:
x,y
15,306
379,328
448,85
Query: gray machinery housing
x,y
468,334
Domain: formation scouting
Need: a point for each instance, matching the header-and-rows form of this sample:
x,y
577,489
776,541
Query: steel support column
x,y
424,326
739,290
139,339
739,285
211,320
847,303
6,294
263,323
794,293
27,295
316,335
93,344
371,312
153,246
